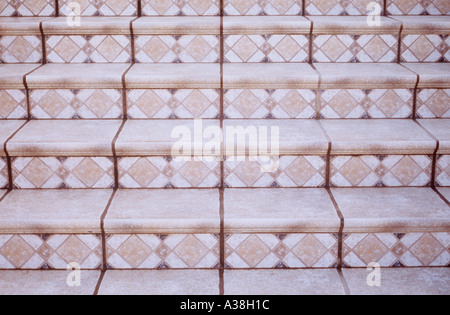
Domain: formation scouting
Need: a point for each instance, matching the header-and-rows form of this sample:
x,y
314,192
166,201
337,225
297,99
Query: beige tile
x,y
90,25
160,282
65,138
53,211
365,76
7,129
424,25
279,211
174,76
266,25
150,138
399,210
398,281
440,128
283,282
25,26
78,76
352,25
185,25
11,75
432,76
445,192
46,283
365,137
270,76
296,137
2,193
164,212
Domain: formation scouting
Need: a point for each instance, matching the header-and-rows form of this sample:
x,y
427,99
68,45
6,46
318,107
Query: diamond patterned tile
x,y
63,172
4,177
268,7
177,49
338,7
355,48
267,48
270,104
390,171
89,49
68,104
443,171
418,7
287,171
433,103
366,103
164,104
27,8
153,251
20,49
101,7
281,251
180,8
50,251
397,249
425,48
164,172
14,104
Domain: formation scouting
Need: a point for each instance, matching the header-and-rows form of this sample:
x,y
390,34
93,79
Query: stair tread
x,y
10,26
164,212
7,129
266,25
11,75
432,75
439,128
392,210
424,24
91,25
352,25
68,211
204,25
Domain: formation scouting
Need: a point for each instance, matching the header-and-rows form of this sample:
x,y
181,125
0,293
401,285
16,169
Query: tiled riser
x,y
425,48
180,49
270,48
68,104
63,172
178,8
173,251
281,251
164,172
433,103
443,171
292,171
418,7
203,103
355,48
397,249
339,7
27,8
4,177
101,7
89,49
269,7
389,171
21,49
14,104
50,251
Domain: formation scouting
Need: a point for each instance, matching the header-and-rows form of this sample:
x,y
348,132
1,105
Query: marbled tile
x,y
14,104
259,103
180,8
76,104
418,7
355,48
433,103
4,173
88,49
50,251
425,48
443,171
184,104
20,49
285,171
397,249
63,172
27,8
100,7
339,7
165,172
358,103
267,48
281,251
177,49
381,170
153,251
268,7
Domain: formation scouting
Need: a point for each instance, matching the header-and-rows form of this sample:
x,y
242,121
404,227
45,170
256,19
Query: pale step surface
x,y
439,128
445,192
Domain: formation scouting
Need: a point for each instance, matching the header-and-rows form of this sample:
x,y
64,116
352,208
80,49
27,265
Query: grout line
x,y
435,154
57,8
27,90
344,282
330,147
303,7
4,196
115,157
44,43
341,230
139,8
102,226
416,91
385,8
439,194
99,283
8,157
222,163
132,41
125,94
318,92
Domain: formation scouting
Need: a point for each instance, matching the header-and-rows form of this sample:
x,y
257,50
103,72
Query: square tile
x,y
14,104
443,171
21,49
433,103
425,48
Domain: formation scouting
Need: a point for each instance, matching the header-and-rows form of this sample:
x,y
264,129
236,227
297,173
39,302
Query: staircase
x,y
361,173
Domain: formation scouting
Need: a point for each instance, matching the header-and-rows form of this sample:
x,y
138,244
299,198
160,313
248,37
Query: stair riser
x,y
418,7
21,49
28,8
100,8
336,8
174,8
270,7
433,103
443,171
425,48
14,104
4,177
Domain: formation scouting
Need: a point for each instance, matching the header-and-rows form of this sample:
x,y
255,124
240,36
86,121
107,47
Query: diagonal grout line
x,y
416,91
341,229
4,196
344,282
8,157
44,43
102,226
99,283
435,154
125,94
